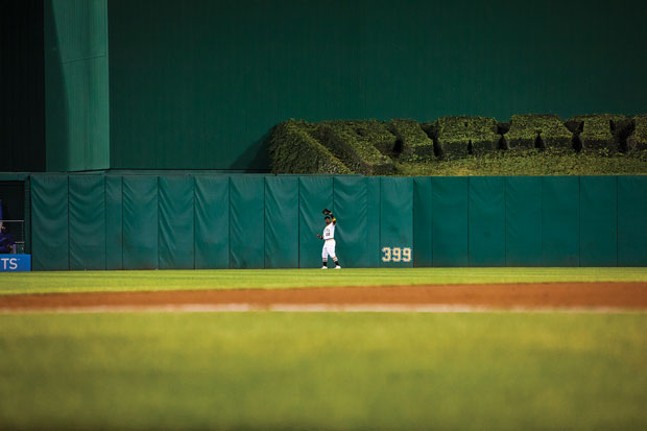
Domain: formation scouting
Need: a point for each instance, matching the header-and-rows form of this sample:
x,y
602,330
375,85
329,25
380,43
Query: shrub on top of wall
x,y
356,143
292,150
458,137
539,131
468,145
412,143
637,141
594,132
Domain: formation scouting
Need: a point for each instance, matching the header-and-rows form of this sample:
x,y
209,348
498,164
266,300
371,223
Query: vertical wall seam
x,y
121,192
379,222
541,219
194,218
105,222
379,246
431,222
264,221
229,210
579,221
469,213
159,222
617,221
69,239
414,243
298,222
366,212
505,219
431,217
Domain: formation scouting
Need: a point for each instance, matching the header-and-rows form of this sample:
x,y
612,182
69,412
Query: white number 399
x,y
396,254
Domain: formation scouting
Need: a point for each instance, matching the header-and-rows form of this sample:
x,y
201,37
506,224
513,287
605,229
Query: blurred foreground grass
x,y
323,371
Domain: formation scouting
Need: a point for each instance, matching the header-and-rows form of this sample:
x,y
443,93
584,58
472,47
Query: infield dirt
x,y
527,296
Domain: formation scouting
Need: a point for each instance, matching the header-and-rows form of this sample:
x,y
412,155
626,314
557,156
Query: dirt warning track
x,y
547,296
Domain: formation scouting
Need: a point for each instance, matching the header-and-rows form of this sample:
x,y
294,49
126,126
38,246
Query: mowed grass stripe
x,y
124,281
323,371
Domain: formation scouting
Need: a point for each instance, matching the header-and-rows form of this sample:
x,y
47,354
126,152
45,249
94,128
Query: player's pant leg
x,y
324,255
332,245
331,250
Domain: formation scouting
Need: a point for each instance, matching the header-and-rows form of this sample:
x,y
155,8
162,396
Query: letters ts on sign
x,y
15,262
9,263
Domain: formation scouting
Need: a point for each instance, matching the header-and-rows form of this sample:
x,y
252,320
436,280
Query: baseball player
x,y
328,238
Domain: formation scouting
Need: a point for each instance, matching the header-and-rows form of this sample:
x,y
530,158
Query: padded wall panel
x,y
140,221
281,222
352,231
422,214
632,221
560,221
247,222
598,221
523,221
486,221
50,222
373,222
176,222
450,221
114,222
87,222
211,222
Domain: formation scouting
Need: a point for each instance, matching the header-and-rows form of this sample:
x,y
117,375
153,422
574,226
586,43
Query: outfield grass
x,y
87,281
323,371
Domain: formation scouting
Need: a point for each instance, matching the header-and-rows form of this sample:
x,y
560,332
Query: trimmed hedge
x,y
412,143
292,150
532,162
596,133
459,137
637,141
463,146
357,143
539,131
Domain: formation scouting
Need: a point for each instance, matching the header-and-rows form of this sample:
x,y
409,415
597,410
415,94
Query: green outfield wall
x,y
193,220
199,84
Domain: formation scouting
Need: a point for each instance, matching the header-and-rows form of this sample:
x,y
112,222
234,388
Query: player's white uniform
x,y
329,242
